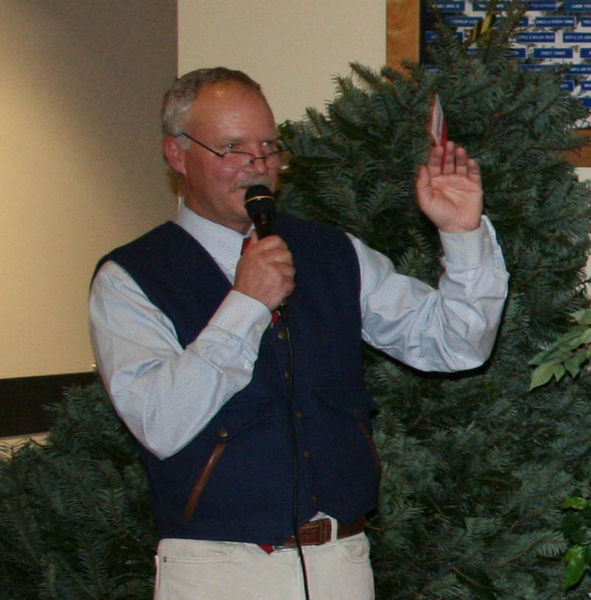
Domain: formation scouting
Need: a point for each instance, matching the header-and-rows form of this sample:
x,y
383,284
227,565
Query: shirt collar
x,y
222,243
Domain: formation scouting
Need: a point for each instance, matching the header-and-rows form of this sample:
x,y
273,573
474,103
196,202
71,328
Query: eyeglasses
x,y
237,159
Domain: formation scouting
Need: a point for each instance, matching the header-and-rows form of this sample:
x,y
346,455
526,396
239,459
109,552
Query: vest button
x,y
282,335
315,499
299,414
223,432
286,374
307,454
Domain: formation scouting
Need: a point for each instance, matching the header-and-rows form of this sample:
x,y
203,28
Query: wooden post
x,y
402,31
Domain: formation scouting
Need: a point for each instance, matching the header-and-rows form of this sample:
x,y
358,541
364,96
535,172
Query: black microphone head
x,y
260,206
259,199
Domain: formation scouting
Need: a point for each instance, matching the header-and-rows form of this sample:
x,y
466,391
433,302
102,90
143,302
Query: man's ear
x,y
174,154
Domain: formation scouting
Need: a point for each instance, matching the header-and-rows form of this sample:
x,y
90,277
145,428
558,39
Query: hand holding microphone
x,y
266,270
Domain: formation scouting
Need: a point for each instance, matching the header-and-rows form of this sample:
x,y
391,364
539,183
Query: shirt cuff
x,y
243,317
471,248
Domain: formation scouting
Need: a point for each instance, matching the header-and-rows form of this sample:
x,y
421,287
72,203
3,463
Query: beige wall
x,y
292,48
80,165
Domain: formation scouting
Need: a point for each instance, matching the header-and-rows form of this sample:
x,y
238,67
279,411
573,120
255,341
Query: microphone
x,y
260,206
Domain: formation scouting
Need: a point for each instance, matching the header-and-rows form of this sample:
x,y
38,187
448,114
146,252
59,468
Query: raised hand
x,y
449,190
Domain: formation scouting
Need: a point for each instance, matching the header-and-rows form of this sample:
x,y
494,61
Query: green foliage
x,y
577,528
474,466
74,514
570,353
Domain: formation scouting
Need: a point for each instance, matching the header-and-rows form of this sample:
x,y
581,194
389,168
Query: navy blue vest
x,y
235,480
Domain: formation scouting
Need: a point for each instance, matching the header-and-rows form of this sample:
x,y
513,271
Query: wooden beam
x,y
582,156
402,31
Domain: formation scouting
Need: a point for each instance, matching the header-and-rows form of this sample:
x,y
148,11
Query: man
x,y
256,430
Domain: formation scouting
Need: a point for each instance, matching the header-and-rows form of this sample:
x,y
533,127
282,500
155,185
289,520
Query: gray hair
x,y
182,93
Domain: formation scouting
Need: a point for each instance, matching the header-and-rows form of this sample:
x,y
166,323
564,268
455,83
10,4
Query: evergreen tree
x,y
74,513
474,466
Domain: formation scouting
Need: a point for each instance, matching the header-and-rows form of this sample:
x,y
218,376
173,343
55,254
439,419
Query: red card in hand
x,y
438,126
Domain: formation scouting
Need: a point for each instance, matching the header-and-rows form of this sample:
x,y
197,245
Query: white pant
x,y
203,570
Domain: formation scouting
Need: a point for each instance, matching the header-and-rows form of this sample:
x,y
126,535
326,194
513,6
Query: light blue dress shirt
x,y
166,394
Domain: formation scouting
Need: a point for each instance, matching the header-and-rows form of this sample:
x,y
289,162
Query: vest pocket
x,y
230,422
356,407
202,480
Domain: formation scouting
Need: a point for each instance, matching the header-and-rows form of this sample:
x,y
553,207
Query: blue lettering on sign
x,y
482,6
449,6
586,85
585,52
518,52
524,22
585,21
542,5
462,21
567,86
555,21
574,6
579,70
431,36
547,36
573,36
531,67
586,100
553,52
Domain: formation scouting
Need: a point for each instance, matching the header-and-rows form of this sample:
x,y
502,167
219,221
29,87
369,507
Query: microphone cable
x,y
294,450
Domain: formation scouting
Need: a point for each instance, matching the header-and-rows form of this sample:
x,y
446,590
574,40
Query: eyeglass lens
x,y
245,159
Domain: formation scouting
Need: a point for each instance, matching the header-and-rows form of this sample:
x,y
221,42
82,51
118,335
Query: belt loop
x,y
334,529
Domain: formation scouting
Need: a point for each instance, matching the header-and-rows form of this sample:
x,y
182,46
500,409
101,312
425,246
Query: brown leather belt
x,y
315,533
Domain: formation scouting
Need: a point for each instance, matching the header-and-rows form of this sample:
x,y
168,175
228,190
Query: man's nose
x,y
258,164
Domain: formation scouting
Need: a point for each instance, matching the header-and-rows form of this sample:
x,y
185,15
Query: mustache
x,y
253,180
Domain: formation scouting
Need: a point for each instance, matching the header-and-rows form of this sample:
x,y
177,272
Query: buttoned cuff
x,y
471,248
243,317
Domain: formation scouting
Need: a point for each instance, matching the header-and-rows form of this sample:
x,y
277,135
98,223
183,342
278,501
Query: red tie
x,y
245,244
